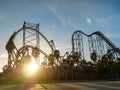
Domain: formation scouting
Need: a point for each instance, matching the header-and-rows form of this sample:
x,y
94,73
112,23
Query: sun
x,y
32,67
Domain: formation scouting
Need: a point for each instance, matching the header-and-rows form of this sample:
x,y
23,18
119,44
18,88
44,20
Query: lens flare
x,y
88,21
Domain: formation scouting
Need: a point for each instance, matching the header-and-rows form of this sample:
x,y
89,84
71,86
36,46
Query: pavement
x,y
104,85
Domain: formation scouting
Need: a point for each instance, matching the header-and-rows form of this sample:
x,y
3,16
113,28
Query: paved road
x,y
108,85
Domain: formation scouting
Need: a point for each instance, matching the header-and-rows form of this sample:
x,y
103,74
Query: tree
x,y
51,60
5,68
56,55
94,56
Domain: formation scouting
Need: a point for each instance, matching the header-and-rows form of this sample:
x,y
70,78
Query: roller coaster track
x,y
14,52
15,34
99,34
102,38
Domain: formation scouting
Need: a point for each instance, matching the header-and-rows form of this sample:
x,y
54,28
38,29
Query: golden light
x,y
32,67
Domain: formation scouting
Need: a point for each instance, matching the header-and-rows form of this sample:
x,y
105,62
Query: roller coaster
x,y
34,43
21,51
99,46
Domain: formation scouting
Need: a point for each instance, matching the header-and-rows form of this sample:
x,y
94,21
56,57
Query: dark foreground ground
x,y
103,85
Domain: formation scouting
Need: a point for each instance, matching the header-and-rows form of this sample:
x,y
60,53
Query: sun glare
x,y
32,67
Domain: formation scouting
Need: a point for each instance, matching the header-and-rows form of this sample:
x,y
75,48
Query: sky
x,y
58,20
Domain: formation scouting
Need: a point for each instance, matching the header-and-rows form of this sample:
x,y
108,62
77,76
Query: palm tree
x,y
56,55
94,56
51,60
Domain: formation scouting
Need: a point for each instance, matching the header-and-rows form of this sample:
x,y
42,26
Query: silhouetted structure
x,y
30,46
104,55
98,43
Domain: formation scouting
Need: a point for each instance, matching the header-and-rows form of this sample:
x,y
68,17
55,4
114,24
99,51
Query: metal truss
x,y
99,46
77,44
30,47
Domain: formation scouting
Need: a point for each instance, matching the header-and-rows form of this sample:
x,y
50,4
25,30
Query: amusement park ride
x,y
98,44
30,50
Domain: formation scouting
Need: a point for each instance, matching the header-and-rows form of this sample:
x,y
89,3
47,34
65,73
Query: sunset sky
x,y
58,19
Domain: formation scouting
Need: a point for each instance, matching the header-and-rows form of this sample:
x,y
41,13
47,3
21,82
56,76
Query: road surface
x,y
107,85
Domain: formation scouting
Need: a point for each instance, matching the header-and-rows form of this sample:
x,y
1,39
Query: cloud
x,y
103,21
62,19
58,11
71,13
